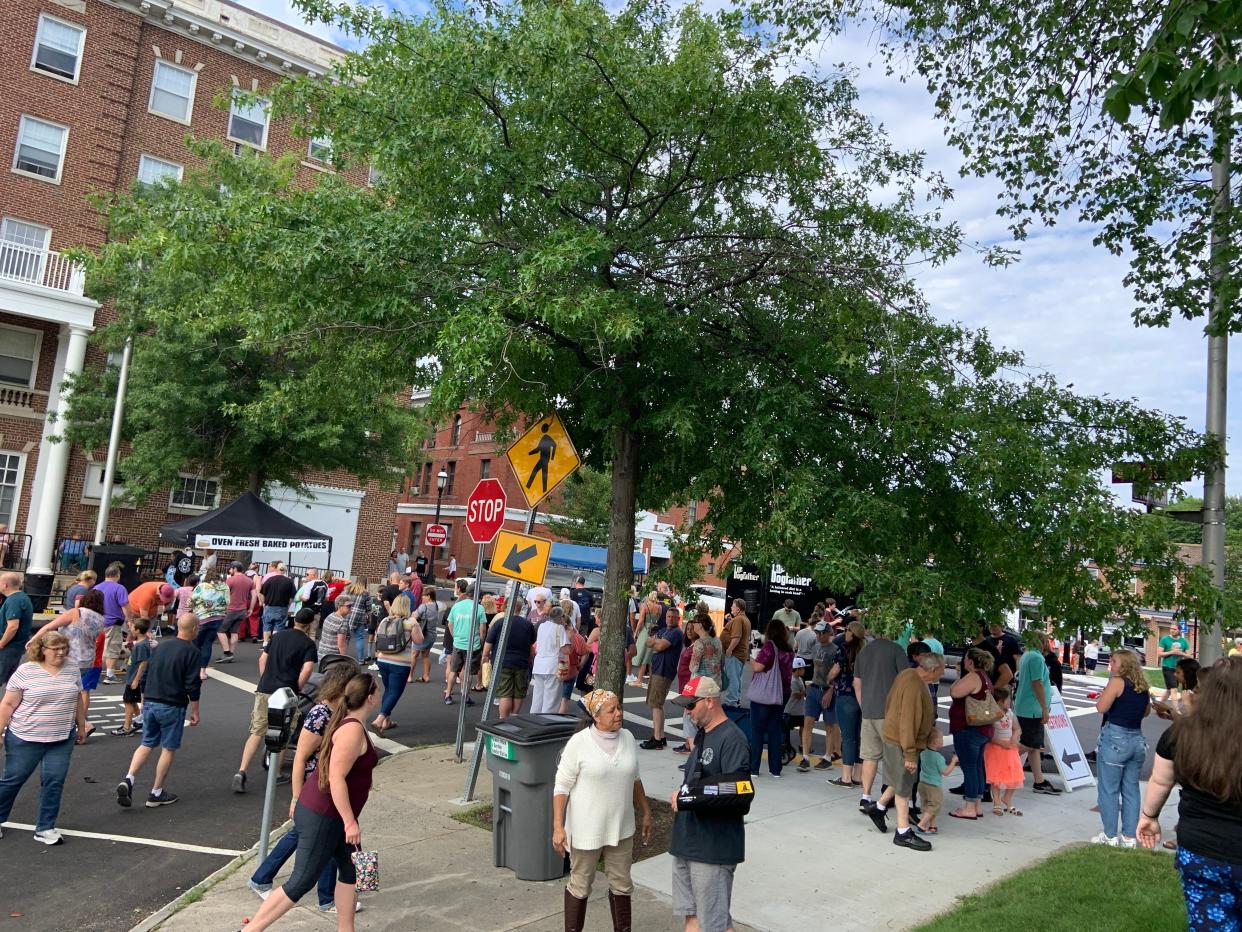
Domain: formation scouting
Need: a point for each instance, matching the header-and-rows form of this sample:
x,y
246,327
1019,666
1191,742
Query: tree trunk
x,y
257,481
619,572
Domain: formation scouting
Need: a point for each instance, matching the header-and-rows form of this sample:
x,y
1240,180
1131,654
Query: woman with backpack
x,y
394,655
428,617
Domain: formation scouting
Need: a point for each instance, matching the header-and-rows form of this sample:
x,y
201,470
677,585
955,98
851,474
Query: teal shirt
x,y
459,620
1168,643
17,607
931,763
1031,669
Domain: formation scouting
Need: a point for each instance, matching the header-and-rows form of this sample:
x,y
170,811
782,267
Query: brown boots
x,y
575,912
620,906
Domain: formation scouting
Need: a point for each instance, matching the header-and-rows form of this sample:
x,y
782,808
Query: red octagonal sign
x,y
485,511
435,535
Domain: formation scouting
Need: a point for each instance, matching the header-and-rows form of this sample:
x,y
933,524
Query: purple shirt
x,y
115,599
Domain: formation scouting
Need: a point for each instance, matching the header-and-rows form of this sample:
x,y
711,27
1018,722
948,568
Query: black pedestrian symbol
x,y
545,450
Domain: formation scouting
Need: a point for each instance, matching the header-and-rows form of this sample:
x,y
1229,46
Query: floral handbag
x,y
366,866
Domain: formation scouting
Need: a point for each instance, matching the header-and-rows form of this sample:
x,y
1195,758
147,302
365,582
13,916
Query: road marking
x,y
130,840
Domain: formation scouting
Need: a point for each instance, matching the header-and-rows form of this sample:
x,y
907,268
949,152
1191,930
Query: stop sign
x,y
435,535
485,510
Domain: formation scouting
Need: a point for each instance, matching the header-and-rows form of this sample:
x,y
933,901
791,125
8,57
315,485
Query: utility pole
x,y
1217,376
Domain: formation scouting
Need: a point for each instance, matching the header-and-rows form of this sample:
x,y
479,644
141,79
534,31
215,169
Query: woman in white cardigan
x,y
545,681
599,772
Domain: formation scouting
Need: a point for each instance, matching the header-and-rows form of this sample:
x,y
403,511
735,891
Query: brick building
x,y
95,96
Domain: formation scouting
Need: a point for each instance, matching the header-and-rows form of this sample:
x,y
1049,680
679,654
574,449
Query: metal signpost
x,y
542,458
485,513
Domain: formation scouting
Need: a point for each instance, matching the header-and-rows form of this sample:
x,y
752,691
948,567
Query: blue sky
x,y
1062,304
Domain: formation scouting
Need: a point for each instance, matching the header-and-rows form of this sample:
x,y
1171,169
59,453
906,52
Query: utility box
x,y
522,753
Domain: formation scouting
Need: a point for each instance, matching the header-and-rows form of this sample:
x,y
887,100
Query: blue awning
x,y
590,558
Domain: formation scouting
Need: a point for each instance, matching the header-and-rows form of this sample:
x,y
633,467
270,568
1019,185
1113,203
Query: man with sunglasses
x,y
708,843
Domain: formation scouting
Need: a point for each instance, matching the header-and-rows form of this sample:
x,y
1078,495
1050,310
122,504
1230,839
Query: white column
x,y
54,458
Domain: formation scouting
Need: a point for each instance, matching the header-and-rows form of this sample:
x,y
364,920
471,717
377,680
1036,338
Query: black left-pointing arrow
x,y
1068,759
513,562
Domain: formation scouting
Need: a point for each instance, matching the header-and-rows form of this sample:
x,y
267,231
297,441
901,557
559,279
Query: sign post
x,y
1063,745
541,458
485,513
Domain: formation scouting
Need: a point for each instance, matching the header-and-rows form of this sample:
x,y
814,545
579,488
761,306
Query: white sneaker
x,y
1127,842
49,837
1102,839
631,680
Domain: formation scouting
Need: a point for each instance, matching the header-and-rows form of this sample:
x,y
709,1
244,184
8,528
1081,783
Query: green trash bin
x,y
522,752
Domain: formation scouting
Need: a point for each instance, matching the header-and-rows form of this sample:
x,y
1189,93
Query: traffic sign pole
x,y
476,606
498,655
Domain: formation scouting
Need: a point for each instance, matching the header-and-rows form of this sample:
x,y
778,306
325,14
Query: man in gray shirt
x,y
877,666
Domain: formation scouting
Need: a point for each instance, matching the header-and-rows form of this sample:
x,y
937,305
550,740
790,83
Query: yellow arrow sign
x,y
521,556
542,458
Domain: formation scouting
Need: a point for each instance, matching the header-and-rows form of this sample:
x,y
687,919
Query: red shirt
x,y
240,587
335,588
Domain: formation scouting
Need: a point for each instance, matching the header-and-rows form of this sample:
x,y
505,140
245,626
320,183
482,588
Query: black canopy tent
x,y
246,523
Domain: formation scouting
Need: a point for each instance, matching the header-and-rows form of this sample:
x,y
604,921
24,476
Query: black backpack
x,y
391,636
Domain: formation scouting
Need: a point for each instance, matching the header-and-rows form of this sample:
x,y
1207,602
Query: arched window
x,y
456,430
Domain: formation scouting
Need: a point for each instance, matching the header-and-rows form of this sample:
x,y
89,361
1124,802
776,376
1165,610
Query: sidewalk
x,y
436,873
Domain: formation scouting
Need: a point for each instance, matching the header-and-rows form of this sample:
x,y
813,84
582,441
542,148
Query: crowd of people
x,y
871,697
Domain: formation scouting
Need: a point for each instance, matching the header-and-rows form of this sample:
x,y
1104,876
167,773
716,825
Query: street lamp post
x,y
441,482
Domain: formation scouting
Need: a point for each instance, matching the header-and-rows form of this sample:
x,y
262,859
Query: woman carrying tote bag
x,y
769,686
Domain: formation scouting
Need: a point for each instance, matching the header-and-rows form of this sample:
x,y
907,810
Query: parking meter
x,y
282,711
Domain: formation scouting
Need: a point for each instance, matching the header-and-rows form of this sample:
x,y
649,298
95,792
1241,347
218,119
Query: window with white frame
x,y
19,355
152,170
194,492
40,148
248,121
172,91
23,249
10,482
92,485
319,148
58,48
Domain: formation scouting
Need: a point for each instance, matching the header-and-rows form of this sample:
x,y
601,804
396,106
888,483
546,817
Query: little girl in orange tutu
x,y
1001,761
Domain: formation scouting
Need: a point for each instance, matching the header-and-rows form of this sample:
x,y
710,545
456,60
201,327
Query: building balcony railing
x,y
484,436
40,267
14,400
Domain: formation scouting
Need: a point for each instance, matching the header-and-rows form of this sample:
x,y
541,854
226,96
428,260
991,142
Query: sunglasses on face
x,y
689,706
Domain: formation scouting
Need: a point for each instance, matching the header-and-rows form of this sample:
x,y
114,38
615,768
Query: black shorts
x,y
232,621
1031,733
459,661
1170,677
132,696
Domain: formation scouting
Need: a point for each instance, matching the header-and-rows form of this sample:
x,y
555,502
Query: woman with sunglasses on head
x,y
326,815
44,718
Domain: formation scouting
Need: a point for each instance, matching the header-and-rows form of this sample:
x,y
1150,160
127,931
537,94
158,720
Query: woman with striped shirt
x,y
44,718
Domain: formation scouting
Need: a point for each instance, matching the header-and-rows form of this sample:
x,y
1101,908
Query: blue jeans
x,y
1213,892
205,639
1118,763
767,728
849,717
274,618
359,638
732,688
394,677
265,875
20,760
968,745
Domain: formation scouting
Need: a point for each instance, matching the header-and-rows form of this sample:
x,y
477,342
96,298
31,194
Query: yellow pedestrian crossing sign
x,y
521,556
542,458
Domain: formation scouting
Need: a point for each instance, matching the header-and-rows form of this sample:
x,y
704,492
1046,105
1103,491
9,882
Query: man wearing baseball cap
x,y
708,843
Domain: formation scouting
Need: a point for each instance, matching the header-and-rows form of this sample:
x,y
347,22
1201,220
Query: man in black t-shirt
x,y
288,659
275,595
1005,650
513,673
708,844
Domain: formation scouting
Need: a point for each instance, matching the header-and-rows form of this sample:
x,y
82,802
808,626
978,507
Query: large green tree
x,y
209,388
584,512
649,222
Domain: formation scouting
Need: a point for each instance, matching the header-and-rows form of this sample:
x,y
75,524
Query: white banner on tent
x,y
233,542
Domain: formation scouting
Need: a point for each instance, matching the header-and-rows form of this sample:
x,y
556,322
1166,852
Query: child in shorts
x,y
132,696
932,771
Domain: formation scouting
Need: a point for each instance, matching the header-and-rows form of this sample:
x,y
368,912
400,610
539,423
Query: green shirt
x,y
459,621
1168,643
1031,670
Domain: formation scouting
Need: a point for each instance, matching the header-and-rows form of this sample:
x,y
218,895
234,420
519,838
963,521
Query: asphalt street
x,y
119,865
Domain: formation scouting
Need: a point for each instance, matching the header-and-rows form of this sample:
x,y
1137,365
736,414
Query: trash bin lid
x,y
532,729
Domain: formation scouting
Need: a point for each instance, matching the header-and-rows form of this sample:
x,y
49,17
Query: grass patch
x,y
1118,889
194,896
1154,677
479,816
